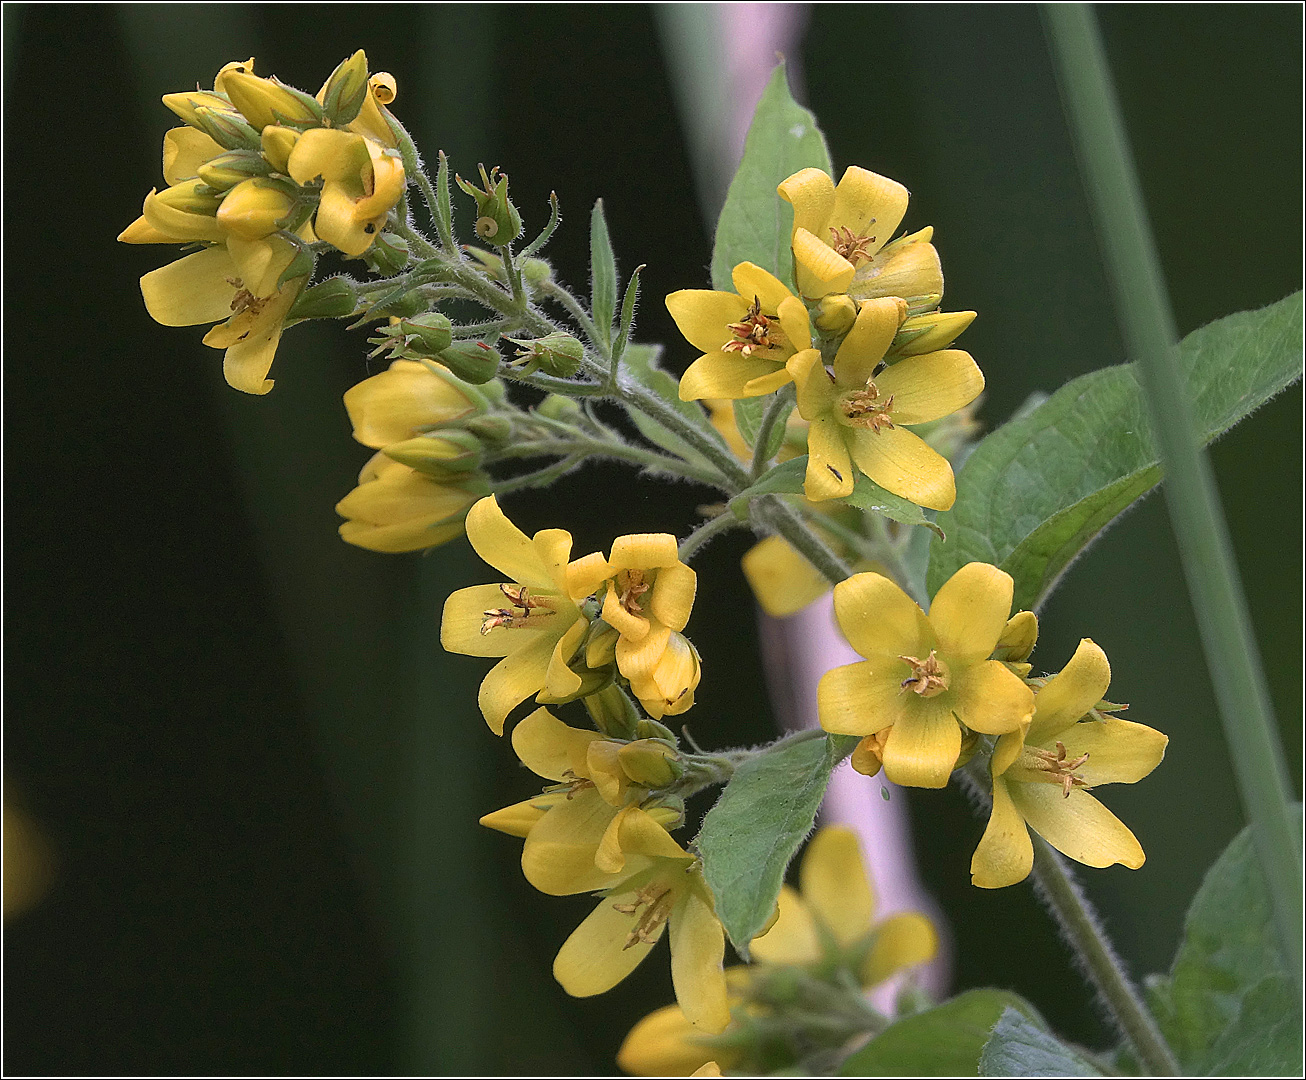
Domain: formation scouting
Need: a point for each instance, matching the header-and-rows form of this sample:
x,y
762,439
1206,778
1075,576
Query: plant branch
x,y
705,532
780,404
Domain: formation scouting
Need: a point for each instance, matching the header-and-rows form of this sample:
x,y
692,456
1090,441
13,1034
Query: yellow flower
x,y
671,895
532,621
650,593
924,676
1041,778
396,508
362,182
837,228
664,1043
857,414
408,398
373,120
596,823
746,337
236,282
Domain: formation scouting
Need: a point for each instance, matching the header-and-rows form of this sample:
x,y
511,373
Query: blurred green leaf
x,y
1036,492
603,274
1020,1047
755,222
756,826
1229,1006
944,1041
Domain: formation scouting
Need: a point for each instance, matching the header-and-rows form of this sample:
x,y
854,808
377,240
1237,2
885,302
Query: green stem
x,y
575,309
637,455
782,518
780,405
1150,335
700,536
538,478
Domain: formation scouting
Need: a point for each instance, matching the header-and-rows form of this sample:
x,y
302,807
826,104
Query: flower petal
x,y
834,884
879,619
912,271
586,574
795,322
1005,854
698,946
863,698
923,745
505,547
931,386
903,463
1067,696
767,384
513,679
663,1044
394,404
594,959
970,612
551,749
637,659
812,195
725,375
866,203
672,598
185,149
819,270
829,468
867,342
989,699
248,361
754,283
900,941
781,579
464,615
1078,826
558,856
1119,751
704,316
520,818
816,390
191,290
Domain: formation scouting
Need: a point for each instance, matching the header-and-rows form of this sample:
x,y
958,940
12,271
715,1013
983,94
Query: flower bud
x,y
431,333
601,645
230,168
388,254
556,353
374,118
227,128
186,105
493,429
612,711
277,142
536,272
473,361
190,197
868,755
1019,637
651,763
667,689
497,220
670,814
929,333
405,400
557,407
236,67
835,314
441,455
253,209
333,298
395,508
651,729
267,101
344,92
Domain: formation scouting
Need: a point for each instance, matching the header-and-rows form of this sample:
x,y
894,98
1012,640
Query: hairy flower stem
x,y
1056,887
780,406
777,514
649,459
705,532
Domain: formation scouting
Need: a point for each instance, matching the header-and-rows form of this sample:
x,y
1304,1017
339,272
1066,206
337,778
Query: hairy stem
x,y
780,405
705,532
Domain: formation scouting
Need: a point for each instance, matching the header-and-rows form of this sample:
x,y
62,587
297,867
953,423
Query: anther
x,y
928,677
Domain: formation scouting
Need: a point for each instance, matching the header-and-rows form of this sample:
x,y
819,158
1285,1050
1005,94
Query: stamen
x,y
865,409
244,300
659,900
852,248
519,615
928,677
1062,769
756,331
630,587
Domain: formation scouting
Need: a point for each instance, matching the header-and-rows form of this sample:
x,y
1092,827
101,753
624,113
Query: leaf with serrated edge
x,y
755,222
762,816
1036,492
1019,1047
946,1040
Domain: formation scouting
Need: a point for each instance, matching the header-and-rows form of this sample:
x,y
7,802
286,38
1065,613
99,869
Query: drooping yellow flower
x,y
671,895
395,508
532,621
362,182
664,1043
1041,777
746,336
924,676
858,413
403,401
597,822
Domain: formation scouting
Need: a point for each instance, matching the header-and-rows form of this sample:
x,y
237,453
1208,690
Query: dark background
x,y
259,773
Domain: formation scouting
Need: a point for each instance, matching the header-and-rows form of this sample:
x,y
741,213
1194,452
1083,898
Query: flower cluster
x,y
826,935
260,176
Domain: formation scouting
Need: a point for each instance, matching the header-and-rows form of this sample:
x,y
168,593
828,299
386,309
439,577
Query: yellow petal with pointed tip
x,y
1067,696
829,467
931,386
704,316
141,231
1119,751
191,290
811,193
594,959
1005,854
766,384
754,283
725,375
862,698
248,361
642,835
515,820
901,462
879,619
834,884
513,679
819,270
901,941
1079,826
868,204
923,745
181,225
697,950
550,748
867,342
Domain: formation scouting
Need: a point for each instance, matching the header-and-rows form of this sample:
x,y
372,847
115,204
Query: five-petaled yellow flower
x,y
858,412
532,621
924,676
746,337
1041,777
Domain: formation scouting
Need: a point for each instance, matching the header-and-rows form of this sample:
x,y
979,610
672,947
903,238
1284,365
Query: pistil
x,y
928,677
755,331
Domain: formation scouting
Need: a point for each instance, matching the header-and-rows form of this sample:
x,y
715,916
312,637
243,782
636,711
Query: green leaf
x,y
443,204
762,816
787,479
1229,1005
1020,1047
627,315
748,417
944,1041
755,222
1036,492
639,364
603,272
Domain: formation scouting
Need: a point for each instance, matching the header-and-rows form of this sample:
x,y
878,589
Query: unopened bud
x,y
277,142
613,712
497,220
229,169
268,101
536,272
253,209
344,92
431,333
190,197
836,314
653,729
473,361
333,298
227,128
601,648
186,105
930,332
388,254
651,763
669,814
439,454
557,407
1018,638
236,67
557,353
